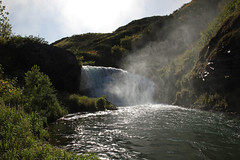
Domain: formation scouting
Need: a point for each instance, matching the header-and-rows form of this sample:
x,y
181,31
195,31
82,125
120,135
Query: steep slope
x,y
95,48
217,71
206,76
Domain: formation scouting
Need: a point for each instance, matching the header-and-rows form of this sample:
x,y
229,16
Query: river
x,y
150,132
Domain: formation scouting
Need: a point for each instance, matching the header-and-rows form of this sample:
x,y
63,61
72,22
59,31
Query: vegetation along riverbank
x,y
192,55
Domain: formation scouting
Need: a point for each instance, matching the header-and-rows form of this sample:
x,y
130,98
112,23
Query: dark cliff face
x,y
60,65
218,68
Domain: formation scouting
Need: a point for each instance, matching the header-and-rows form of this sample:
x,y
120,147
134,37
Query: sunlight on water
x,y
150,132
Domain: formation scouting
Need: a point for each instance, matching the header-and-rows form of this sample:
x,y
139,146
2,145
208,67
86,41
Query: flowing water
x,y
143,132
120,86
150,132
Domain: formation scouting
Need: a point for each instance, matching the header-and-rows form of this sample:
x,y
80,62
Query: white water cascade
x,y
119,86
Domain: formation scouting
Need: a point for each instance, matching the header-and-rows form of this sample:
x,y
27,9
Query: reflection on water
x,y
150,132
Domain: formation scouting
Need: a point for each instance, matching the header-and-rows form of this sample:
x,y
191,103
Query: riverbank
x,y
25,112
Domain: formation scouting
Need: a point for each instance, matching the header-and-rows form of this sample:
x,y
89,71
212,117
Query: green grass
x,y
78,103
102,44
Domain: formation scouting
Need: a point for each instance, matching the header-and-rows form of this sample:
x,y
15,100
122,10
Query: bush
x,y
37,95
185,97
212,101
126,42
40,95
5,27
22,135
117,52
100,103
20,41
77,103
37,125
18,142
15,133
10,93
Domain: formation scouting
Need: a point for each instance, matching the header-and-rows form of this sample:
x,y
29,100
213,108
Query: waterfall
x,y
119,86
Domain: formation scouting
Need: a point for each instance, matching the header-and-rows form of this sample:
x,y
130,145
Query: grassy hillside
x,y
181,52
111,49
98,48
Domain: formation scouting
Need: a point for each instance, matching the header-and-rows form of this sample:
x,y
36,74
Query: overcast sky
x,y
55,19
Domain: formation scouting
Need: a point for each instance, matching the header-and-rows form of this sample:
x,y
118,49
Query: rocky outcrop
x,y
218,68
60,65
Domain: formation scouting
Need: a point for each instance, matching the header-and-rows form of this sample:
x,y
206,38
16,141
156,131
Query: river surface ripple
x,y
150,132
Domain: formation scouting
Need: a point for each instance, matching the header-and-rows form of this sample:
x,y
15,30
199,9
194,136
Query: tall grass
x,y
78,103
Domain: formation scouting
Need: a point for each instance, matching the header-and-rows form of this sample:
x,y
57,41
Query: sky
x,y
55,19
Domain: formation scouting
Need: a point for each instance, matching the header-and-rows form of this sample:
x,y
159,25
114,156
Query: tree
x,y
5,27
40,95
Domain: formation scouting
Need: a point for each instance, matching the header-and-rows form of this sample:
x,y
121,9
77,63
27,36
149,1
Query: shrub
x,y
11,95
15,133
22,135
40,95
185,97
100,103
117,52
126,42
77,103
37,125
5,27
19,40
212,101
18,142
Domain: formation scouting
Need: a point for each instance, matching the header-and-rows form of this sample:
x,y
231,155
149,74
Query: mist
x,y
174,36
119,86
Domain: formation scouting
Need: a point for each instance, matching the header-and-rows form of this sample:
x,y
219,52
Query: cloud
x,y
32,17
55,19
98,16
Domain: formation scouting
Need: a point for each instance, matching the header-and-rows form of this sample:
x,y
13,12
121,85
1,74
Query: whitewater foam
x,y
119,86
